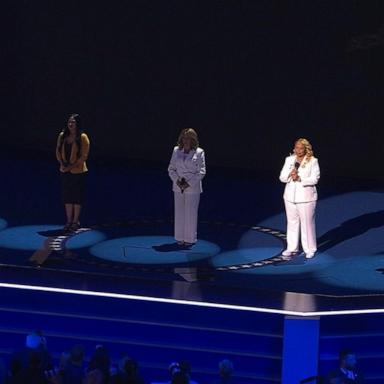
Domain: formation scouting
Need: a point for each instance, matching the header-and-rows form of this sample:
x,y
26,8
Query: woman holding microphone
x,y
301,173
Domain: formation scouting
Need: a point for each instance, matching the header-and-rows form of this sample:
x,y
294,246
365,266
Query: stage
x,y
349,263
235,269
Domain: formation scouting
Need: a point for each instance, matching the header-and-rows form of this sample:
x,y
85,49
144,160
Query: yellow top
x,y
77,164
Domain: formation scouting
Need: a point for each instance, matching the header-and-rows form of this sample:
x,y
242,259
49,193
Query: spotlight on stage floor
x,y
152,250
29,237
3,224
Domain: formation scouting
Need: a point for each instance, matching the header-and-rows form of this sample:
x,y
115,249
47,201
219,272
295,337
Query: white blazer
x,y
302,191
191,166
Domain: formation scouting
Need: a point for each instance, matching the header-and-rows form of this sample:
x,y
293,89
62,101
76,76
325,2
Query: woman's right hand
x,y
182,184
295,175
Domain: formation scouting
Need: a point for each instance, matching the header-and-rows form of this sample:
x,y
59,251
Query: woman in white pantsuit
x,y
301,173
187,169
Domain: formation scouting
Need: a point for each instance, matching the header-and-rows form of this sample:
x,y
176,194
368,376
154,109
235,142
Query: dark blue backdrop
x,y
250,76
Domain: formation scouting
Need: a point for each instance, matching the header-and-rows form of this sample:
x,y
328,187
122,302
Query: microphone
x,y
296,166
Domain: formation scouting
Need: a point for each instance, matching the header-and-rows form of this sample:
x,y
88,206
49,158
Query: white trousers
x,y
186,208
301,221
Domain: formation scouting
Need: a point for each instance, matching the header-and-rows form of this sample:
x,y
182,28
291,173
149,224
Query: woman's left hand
x,y
64,169
296,177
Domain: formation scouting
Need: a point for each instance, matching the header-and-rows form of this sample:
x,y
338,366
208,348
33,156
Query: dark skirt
x,y
73,187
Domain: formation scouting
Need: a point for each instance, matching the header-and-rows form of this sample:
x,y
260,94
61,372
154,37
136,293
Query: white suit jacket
x,y
302,191
191,166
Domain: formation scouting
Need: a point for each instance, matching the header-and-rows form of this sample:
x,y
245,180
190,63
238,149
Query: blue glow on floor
x,y
256,239
349,232
139,250
3,224
349,212
361,272
28,238
245,255
297,265
85,239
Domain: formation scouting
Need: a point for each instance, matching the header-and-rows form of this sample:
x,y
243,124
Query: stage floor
x,y
236,261
232,266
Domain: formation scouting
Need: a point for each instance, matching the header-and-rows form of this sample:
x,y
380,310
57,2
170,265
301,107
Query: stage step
x,y
155,334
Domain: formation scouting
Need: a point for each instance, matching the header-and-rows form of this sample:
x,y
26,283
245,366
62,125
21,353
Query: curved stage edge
x,y
233,265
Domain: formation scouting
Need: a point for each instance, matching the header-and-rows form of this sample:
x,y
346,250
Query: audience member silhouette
x,y
128,372
347,372
225,372
100,361
94,376
32,373
3,372
35,345
185,368
180,378
73,371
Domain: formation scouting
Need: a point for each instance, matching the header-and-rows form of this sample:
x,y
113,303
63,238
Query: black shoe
x,y
67,227
74,227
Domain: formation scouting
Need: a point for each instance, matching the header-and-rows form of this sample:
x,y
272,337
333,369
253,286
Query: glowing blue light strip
x,y
185,302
